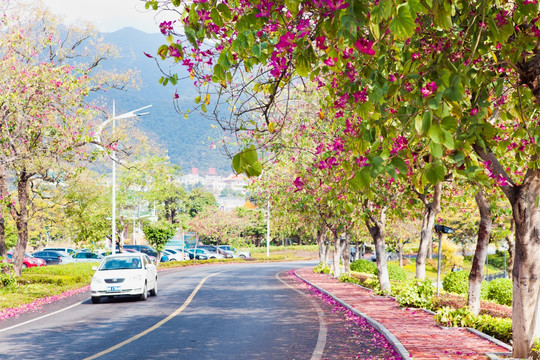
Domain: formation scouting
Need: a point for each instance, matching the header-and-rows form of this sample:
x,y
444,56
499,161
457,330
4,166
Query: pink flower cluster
x,y
37,304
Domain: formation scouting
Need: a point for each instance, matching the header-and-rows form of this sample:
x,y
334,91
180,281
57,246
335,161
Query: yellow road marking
x,y
157,325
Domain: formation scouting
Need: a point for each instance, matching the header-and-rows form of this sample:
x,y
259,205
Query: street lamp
x,y
440,230
268,232
127,115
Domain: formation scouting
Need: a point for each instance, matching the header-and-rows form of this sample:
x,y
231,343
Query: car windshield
x,y
124,262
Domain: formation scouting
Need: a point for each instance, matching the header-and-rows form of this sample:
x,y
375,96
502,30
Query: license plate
x,y
114,288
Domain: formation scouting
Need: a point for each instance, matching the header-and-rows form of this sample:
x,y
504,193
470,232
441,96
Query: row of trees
x,y
412,99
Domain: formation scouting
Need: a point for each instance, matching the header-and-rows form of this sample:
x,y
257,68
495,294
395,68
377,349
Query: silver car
x,y
124,274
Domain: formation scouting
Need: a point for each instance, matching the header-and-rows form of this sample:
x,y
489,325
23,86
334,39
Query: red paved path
x,y
415,328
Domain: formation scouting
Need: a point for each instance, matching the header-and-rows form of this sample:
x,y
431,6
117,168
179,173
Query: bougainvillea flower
x,y
286,42
165,27
365,46
298,183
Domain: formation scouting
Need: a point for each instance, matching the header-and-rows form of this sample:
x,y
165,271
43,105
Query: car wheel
x,y
96,299
24,266
242,256
144,294
153,292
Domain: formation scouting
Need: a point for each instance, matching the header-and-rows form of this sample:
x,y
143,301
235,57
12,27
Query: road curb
x,y
398,346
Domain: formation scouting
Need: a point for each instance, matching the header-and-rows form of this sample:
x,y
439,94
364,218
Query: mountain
x,y
188,141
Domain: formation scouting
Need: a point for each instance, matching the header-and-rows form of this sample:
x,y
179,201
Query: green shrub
x,y
461,317
416,294
499,328
322,269
364,266
61,279
500,291
396,273
457,282
7,276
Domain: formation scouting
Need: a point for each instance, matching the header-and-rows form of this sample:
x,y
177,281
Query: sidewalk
x,y
417,331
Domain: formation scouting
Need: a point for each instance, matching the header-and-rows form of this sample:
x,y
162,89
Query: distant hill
x,y
188,141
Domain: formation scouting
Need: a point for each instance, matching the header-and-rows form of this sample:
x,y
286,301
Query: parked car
x,y
54,257
390,256
145,249
66,249
39,261
240,254
212,251
27,261
199,254
85,256
130,274
176,255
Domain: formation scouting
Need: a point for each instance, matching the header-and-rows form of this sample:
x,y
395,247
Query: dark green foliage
x,y
7,276
457,282
396,273
158,234
364,266
500,291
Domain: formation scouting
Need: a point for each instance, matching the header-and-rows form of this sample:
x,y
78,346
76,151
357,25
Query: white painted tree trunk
x,y
430,212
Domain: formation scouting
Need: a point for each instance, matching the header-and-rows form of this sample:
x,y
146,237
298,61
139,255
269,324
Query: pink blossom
x,y
365,46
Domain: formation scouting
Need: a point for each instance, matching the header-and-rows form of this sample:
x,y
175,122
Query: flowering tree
x,y
462,76
44,119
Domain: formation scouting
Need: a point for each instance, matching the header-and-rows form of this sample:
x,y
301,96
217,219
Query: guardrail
x,y
497,275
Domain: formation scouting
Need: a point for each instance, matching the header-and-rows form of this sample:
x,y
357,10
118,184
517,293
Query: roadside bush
x,y
461,317
499,328
416,294
364,266
7,277
322,269
396,273
51,279
362,279
500,291
456,282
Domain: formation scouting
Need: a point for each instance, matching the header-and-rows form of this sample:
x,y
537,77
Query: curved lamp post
x,y
440,230
114,117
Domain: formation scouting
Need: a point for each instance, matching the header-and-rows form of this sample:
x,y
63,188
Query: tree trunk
x,y
480,254
21,220
346,253
510,240
526,270
430,212
336,268
376,229
3,195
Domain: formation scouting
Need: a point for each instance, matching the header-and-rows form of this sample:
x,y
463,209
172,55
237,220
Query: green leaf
x,y
436,150
198,99
455,92
216,17
225,11
382,11
256,50
435,133
427,119
402,25
203,107
416,6
400,164
434,173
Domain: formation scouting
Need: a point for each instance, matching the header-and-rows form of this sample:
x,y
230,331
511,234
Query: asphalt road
x,y
233,311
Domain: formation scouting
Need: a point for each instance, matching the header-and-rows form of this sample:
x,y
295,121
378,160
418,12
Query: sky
x,y
107,15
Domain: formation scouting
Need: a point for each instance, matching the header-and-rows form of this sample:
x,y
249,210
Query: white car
x,y
124,274
176,255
